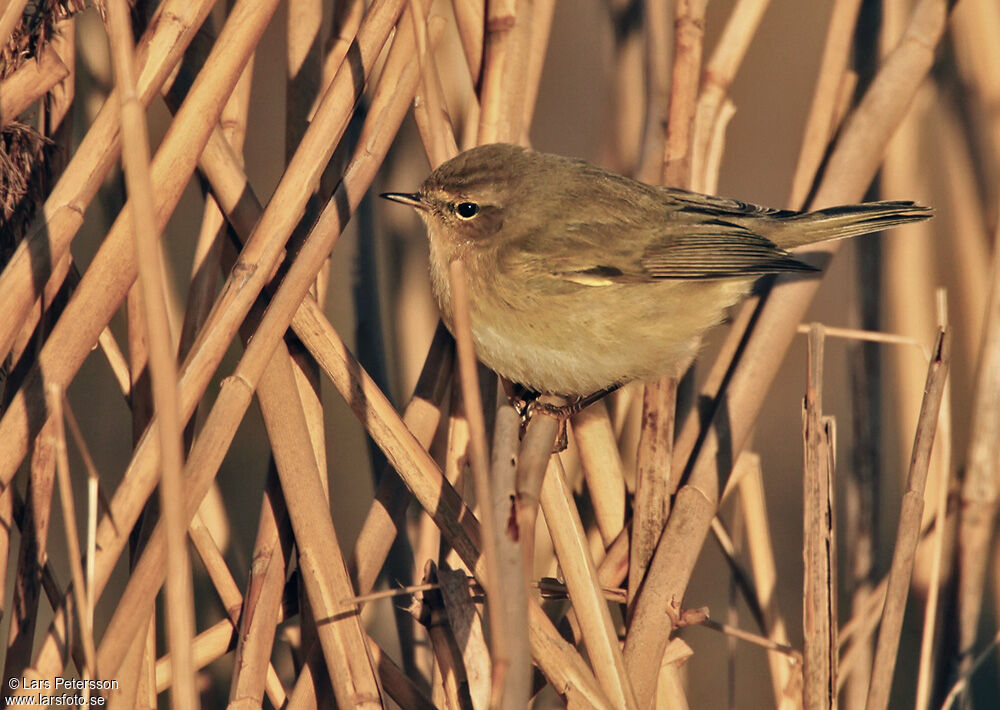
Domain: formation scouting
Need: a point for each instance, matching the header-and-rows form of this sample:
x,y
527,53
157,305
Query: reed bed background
x,y
807,519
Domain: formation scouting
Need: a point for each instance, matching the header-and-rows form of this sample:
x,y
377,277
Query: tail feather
x,y
845,221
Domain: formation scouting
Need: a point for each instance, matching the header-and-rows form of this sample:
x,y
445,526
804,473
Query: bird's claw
x,y
560,413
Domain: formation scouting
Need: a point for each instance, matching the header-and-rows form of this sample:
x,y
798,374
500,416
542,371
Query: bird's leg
x,y
568,410
562,412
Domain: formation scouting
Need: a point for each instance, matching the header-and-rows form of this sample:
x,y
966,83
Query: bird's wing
x,y
709,237
680,248
712,249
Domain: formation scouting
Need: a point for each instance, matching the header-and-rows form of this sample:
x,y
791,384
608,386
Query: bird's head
x,y
468,200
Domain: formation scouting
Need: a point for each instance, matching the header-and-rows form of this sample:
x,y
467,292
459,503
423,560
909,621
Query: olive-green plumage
x,y
581,279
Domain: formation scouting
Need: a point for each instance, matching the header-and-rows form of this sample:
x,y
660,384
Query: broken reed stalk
x,y
180,621
478,457
908,531
850,168
707,126
819,604
259,610
233,602
932,606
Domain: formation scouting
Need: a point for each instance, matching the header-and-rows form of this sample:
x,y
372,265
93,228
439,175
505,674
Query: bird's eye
x,y
467,210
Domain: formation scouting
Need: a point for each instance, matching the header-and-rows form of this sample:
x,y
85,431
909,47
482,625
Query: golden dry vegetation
x,y
188,229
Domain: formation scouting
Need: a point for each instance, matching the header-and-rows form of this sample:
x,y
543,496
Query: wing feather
x,y
714,250
688,244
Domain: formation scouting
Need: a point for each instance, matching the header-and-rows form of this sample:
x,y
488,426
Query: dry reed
x,y
629,503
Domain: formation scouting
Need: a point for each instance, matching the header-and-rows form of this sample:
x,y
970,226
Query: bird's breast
x,y
563,337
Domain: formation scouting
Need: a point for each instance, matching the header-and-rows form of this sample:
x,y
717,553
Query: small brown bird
x,y
581,280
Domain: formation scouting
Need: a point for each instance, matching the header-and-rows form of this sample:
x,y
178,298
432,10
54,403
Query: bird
x,y
581,280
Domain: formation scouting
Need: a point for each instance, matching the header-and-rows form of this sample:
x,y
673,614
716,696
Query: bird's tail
x,y
846,221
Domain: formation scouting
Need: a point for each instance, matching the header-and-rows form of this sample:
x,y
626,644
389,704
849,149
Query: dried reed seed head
x,y
37,26
22,148
23,156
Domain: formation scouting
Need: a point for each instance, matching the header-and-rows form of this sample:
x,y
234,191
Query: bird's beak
x,y
407,198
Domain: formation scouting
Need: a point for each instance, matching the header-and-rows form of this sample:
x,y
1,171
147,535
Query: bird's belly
x,y
594,337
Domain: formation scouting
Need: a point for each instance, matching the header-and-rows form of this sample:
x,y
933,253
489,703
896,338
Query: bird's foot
x,y
529,404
